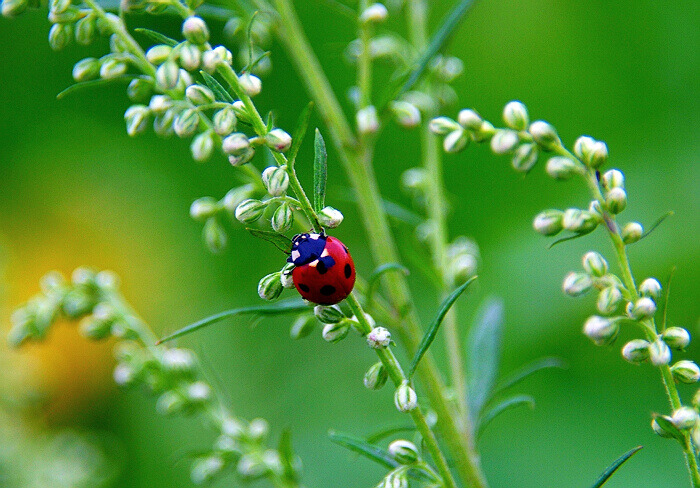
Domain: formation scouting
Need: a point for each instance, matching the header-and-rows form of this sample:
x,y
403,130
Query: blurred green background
x,y
74,189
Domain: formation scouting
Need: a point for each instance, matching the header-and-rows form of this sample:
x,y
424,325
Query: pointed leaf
x,y
299,134
429,336
666,295
569,238
93,83
656,224
613,467
363,448
483,351
281,242
287,456
389,431
156,37
527,370
220,92
513,402
402,214
320,172
280,308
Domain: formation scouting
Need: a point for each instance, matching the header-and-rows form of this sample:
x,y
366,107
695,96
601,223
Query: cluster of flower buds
x,y
406,454
684,420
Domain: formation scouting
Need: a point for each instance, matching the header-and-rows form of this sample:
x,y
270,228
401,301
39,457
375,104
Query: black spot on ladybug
x,y
348,271
327,290
303,287
321,267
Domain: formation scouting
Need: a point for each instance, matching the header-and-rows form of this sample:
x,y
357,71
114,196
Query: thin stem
x,y
398,377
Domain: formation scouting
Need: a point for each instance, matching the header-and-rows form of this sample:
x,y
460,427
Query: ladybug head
x,y
306,248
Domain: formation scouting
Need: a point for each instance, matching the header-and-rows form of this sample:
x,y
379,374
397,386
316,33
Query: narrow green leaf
x,y
483,352
613,467
299,133
219,91
250,40
509,403
656,224
93,83
429,336
666,296
377,273
401,213
281,242
320,172
156,37
280,308
569,238
527,370
389,431
363,448
287,456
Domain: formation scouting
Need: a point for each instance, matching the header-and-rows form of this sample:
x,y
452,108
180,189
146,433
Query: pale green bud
x,y
455,141
636,351
277,181
404,452
283,218
52,282
329,314
236,144
659,353
598,155
160,103
251,84
549,222
224,121
163,124
676,338
650,288
59,35
184,80
405,398
167,76
190,56
176,360
561,168
376,376
136,118
112,68
515,116
462,267
379,338
117,45
525,157
302,327
158,54
170,403
449,68
258,429
504,141
595,264
583,146
613,179
668,430
94,329
195,30
616,200
602,331
214,235
641,309
186,122
278,140
204,208
12,8
367,120
632,232
330,217
335,332
413,179
212,59
485,132
686,371
242,158
205,469
609,299
286,276
407,114
85,30
199,95
579,221
139,90
469,119
124,374
443,125
544,135
375,13
577,284
595,209
202,146
241,111
235,196
250,210
86,69
270,286
684,418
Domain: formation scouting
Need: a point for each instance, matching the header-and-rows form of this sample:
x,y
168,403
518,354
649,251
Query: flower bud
x,y
549,222
685,418
443,125
205,469
124,374
195,30
278,140
641,309
632,232
663,426
85,30
158,54
616,200
250,210
602,331
204,208
330,217
582,146
367,120
404,452
198,392
224,121
686,371
136,118
515,116
374,13
609,299
462,268
242,158
12,8
190,56
59,35
167,76
485,132
469,119
595,209
139,90
636,351
199,95
177,360
277,181
579,221
405,398
202,146
86,69
329,314
379,338
160,103
561,168
455,141
598,155
335,332
544,135
613,179
650,288
283,218
577,284
170,403
94,329
595,264
676,338
302,326
186,123
525,157
112,68
236,144
504,141
376,376
270,286
407,114
214,235
163,123
659,353
251,84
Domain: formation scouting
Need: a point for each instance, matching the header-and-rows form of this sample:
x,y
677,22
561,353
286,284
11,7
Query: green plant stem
x,y
398,377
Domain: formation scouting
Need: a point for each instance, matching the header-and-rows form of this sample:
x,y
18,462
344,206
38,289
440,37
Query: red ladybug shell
x,y
326,285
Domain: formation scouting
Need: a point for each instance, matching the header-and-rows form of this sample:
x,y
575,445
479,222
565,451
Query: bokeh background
x,y
74,190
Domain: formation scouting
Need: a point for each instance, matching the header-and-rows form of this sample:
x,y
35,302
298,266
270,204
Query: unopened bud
x,y
576,284
549,222
407,114
235,144
170,403
186,123
224,121
251,84
283,218
379,338
376,376
641,309
277,181
676,338
685,418
111,68
167,76
178,360
561,168
525,157
609,299
650,288
204,208
595,264
632,232
270,286
659,353
12,8
485,132
202,147
330,217
613,179
598,155
59,35
686,371
504,141
544,135
515,116
241,158
195,30
636,351
374,13
139,90
250,210
198,392
404,452
469,119
582,146
190,56
158,54
335,332
663,426
205,469
329,314
86,69
278,140
367,120
405,398
455,141
302,327
136,118
85,30
199,95
443,125
214,235
616,200
579,221
602,331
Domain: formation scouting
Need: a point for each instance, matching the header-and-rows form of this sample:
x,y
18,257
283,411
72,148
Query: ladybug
x,y
324,272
